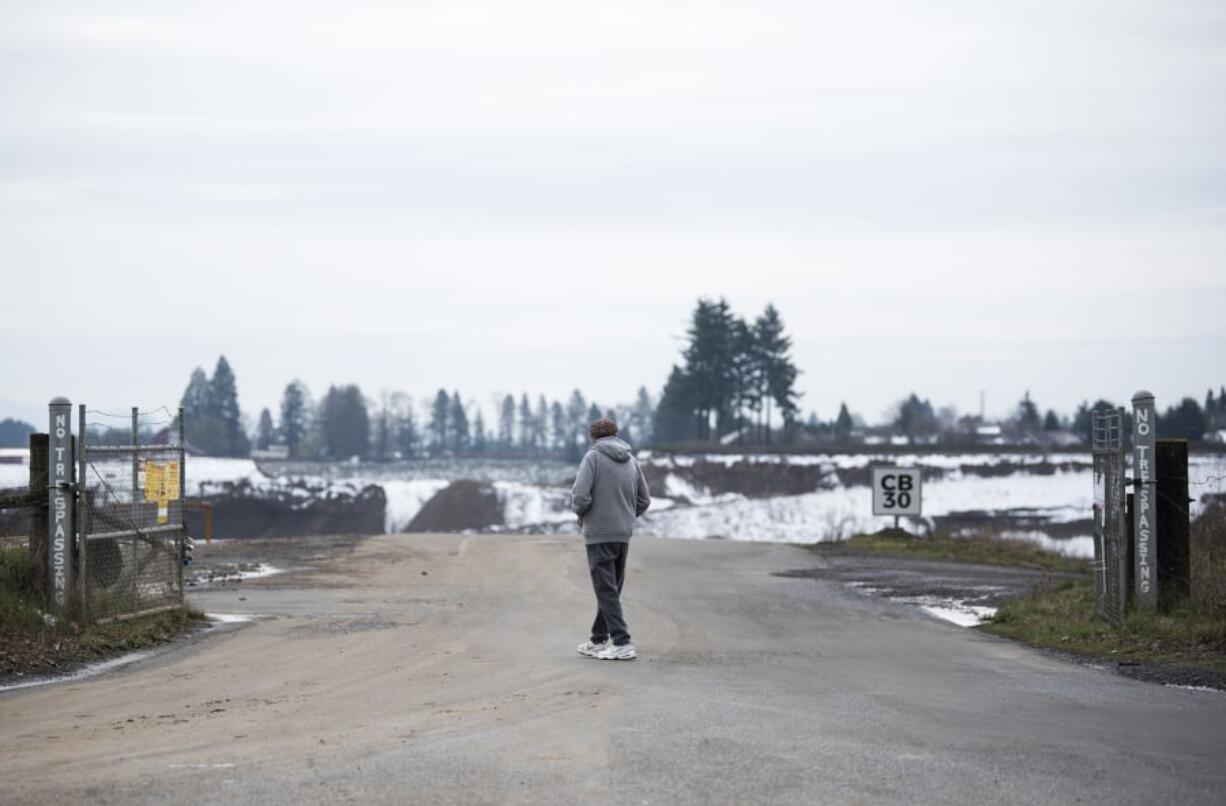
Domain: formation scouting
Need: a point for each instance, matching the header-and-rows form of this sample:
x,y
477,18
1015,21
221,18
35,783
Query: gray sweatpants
x,y
607,564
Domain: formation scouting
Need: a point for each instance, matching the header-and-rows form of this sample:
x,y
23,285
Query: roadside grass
x,y
984,549
1191,633
1064,618
28,645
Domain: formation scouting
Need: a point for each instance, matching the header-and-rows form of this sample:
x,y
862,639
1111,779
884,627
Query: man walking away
x,y
610,493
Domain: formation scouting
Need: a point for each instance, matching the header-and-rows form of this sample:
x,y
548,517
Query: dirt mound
x,y
247,515
458,506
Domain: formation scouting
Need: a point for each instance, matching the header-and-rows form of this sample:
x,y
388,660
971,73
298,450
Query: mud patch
x,y
460,505
345,625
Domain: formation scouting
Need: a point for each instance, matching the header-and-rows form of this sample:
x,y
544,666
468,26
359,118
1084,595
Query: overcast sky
x,y
506,196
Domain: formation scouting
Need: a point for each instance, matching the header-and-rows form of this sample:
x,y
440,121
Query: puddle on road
x,y
232,572
961,611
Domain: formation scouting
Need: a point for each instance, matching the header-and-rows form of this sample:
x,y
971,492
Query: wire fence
x,y
131,512
1110,538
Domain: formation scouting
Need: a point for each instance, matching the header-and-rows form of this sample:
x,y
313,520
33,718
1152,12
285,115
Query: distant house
x,y
273,453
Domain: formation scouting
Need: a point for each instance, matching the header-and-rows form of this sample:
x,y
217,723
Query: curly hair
x,y
604,427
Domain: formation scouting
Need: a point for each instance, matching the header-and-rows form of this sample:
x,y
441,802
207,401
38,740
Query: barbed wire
x,y
139,413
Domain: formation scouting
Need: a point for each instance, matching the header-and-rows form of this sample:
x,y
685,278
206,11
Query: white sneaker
x,y
588,649
615,652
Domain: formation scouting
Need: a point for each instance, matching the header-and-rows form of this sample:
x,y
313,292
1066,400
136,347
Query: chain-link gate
x,y
130,512
1110,536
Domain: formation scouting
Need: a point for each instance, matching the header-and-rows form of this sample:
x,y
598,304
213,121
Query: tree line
x,y
345,423
735,376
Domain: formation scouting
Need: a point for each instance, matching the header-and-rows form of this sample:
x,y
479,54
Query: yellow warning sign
x,y
170,481
155,479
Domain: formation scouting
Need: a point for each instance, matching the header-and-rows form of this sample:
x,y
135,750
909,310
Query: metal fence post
x,y
136,501
59,502
182,500
1109,554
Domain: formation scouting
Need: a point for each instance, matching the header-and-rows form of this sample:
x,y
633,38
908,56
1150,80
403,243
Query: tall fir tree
x,y
223,404
1028,419
264,430
460,436
506,423
674,420
479,436
540,425
558,428
526,429
644,413
439,427
345,423
576,415
843,424
407,436
775,347
710,363
295,425
202,428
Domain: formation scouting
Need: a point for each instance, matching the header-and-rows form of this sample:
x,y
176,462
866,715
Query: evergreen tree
x,y
576,411
1185,420
264,431
202,428
644,414
506,423
540,425
843,424
438,420
295,404
916,418
747,374
460,437
674,420
780,372
195,401
1028,418
223,405
384,428
1052,421
345,423
710,364
593,414
407,436
479,438
526,429
559,430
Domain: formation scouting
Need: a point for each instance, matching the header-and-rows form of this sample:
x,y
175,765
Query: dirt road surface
x,y
441,669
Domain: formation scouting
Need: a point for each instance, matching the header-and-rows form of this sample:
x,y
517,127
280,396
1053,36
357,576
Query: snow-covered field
x,y
1043,498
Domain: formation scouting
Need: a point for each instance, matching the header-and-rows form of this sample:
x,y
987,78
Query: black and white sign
x,y
896,490
1145,506
59,477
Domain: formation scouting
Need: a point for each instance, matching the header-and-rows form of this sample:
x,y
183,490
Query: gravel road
x,y
441,669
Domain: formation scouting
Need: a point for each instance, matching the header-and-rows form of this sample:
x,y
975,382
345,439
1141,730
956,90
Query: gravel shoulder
x,y
441,669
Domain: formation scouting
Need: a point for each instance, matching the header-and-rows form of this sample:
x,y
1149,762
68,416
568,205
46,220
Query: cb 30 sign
x,y
897,490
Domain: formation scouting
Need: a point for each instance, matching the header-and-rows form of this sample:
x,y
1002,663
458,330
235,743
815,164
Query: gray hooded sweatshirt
x,y
610,492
